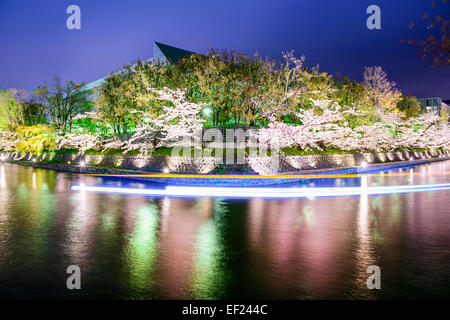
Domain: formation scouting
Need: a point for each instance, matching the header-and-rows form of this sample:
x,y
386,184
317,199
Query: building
x,y
446,108
161,52
431,105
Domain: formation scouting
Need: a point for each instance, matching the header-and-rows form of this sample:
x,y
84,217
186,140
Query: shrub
x,y
35,139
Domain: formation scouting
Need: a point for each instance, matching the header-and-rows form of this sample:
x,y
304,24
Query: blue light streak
x,y
270,193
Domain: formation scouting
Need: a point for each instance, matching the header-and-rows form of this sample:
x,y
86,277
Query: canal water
x,y
135,247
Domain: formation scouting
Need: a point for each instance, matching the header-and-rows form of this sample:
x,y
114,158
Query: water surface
x,y
134,247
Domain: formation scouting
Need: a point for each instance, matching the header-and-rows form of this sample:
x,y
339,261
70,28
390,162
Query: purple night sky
x,y
35,43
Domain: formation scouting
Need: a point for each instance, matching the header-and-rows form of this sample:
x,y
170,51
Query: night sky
x,y
35,43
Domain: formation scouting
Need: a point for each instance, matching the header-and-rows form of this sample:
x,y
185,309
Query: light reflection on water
x,y
134,247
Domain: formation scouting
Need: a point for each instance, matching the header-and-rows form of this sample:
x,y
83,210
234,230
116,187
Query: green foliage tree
x,y
350,93
116,101
289,86
409,105
11,111
237,88
242,90
20,108
64,101
214,79
35,139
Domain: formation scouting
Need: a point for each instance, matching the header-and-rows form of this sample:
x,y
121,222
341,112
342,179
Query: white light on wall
x,y
82,163
166,170
363,164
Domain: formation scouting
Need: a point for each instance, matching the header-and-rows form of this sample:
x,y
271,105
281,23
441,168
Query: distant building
x,y
446,107
161,52
431,105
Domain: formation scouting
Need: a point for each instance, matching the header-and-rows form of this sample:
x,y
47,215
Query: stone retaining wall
x,y
260,165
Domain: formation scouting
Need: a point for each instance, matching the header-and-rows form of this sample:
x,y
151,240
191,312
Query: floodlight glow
x,y
82,164
207,111
274,193
364,164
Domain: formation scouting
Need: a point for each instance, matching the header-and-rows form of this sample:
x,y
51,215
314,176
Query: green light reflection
x,y
141,253
209,277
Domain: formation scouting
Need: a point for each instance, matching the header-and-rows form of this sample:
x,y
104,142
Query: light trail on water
x,y
269,193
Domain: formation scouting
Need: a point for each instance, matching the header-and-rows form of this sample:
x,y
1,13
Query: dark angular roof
x,y
172,54
161,51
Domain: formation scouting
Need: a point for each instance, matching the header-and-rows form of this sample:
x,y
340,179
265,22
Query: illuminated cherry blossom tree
x,y
380,89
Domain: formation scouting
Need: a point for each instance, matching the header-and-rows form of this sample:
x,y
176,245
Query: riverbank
x,y
207,171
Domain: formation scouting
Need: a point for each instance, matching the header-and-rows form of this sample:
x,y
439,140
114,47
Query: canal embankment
x,y
254,171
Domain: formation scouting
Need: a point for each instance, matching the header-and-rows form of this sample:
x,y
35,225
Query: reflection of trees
x,y
180,222
210,271
79,228
142,249
26,220
299,246
364,254
5,198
